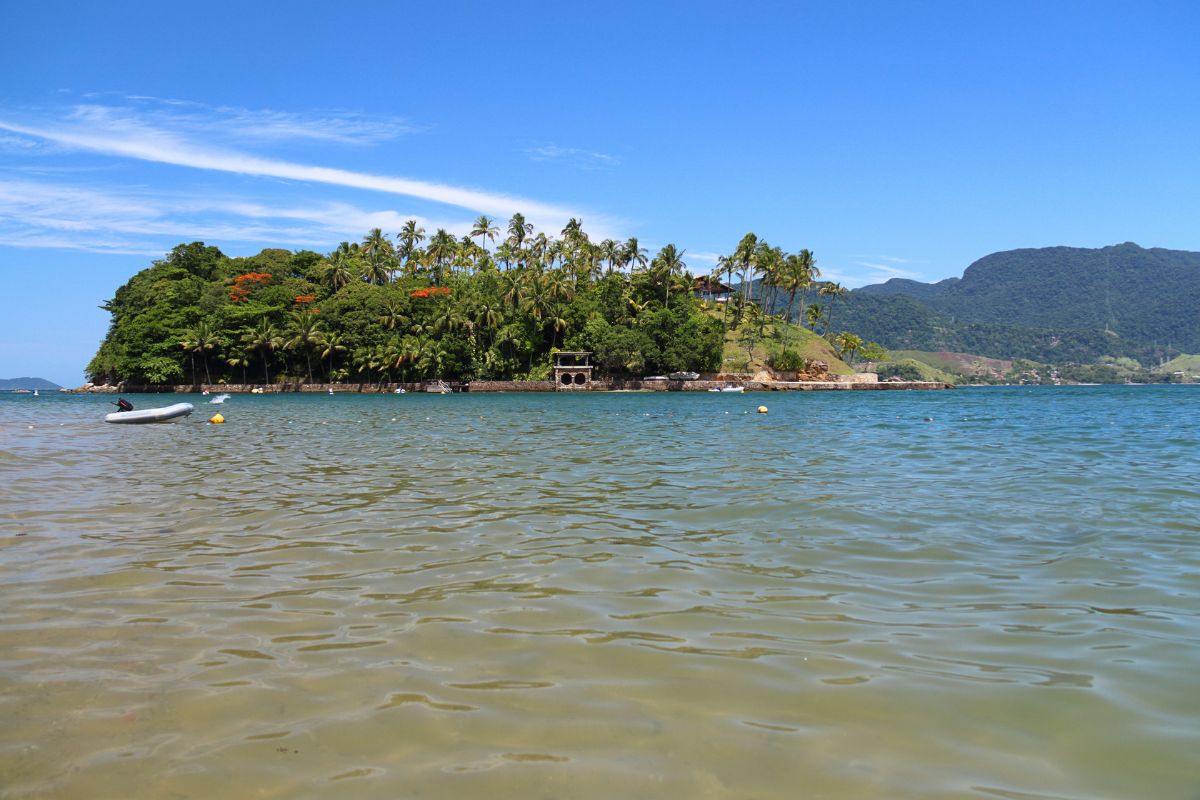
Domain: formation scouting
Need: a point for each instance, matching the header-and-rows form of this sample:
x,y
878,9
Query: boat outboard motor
x,y
123,404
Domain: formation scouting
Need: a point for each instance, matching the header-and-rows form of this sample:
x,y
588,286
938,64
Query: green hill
x,y
1056,304
13,384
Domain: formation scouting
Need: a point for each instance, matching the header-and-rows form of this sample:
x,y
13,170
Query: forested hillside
x,y
1051,304
407,309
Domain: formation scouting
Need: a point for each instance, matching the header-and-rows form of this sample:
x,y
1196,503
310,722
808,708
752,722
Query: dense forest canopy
x,y
492,305
1055,305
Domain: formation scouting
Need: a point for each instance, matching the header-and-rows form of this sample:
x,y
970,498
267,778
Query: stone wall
x,y
510,386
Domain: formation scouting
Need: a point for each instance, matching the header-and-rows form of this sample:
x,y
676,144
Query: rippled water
x,y
978,593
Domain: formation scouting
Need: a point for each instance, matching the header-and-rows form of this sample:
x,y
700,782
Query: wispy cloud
x,y
143,221
573,156
232,123
887,270
126,133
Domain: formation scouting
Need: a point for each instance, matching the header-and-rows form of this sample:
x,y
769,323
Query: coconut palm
x,y
667,265
337,270
813,314
306,334
744,256
518,230
833,291
847,344
610,252
239,361
331,345
512,286
263,339
393,316
201,340
633,254
505,254
442,249
485,228
410,237
809,272
380,257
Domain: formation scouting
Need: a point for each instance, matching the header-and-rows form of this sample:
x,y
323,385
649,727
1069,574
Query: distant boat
x,y
35,393
400,391
729,388
163,414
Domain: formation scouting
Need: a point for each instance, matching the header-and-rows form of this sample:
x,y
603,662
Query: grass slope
x,y
742,356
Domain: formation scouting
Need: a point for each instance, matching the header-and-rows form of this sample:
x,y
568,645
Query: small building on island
x,y
572,370
705,288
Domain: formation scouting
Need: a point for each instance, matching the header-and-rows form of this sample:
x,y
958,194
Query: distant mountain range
x,y
1053,304
12,384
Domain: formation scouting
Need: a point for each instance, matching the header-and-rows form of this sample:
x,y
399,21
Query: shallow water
x,y
978,593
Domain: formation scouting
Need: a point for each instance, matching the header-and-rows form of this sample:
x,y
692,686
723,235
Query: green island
x,y
382,312
494,308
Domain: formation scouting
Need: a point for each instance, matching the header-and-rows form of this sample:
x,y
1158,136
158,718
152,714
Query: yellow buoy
x,y
762,409
216,419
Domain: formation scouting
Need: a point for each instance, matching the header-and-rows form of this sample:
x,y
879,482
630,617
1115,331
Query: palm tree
x,y
512,284
833,291
442,248
633,254
518,229
201,339
485,228
813,314
768,262
725,269
539,246
610,251
847,343
410,237
489,315
744,256
797,276
393,316
263,339
380,258
307,334
336,270
505,254
239,361
809,274
332,344
669,263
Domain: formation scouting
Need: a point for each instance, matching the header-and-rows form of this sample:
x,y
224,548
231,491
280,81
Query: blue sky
x,y
892,139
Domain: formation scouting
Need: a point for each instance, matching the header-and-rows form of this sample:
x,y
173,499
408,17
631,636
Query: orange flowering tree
x,y
239,292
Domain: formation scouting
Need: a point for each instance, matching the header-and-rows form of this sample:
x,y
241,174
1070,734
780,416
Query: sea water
x,y
984,593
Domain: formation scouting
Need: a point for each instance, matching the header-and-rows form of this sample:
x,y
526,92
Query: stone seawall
x,y
510,386
630,385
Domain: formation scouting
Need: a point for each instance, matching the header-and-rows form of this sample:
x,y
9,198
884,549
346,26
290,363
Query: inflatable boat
x,y
164,414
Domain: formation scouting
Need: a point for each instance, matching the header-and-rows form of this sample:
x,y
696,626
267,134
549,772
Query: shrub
x,y
788,360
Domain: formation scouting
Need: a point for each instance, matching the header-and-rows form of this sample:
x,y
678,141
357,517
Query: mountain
x,y
1052,304
12,384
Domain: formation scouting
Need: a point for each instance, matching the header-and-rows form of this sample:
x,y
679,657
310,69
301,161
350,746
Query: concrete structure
x,y
572,371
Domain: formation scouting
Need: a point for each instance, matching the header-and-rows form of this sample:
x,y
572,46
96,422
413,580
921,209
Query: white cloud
x,y
708,258
233,123
573,156
142,221
888,271
117,132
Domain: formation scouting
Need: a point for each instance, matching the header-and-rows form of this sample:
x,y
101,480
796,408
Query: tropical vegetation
x,y
493,304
